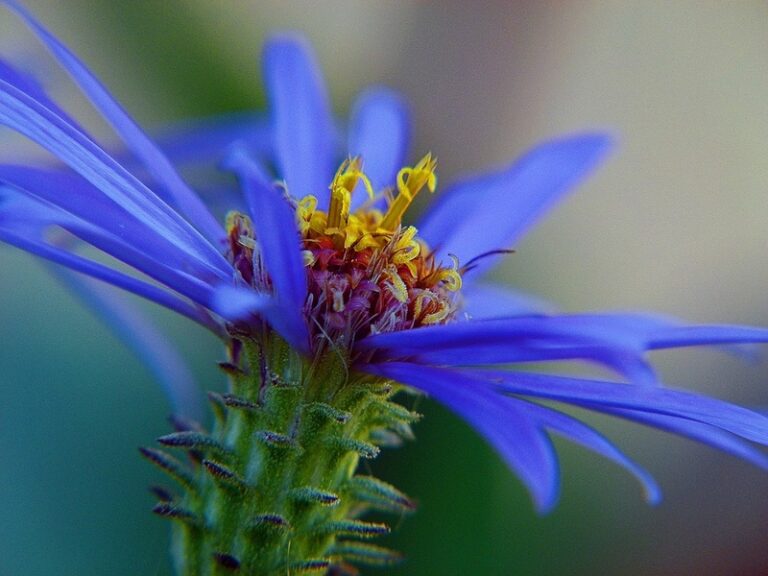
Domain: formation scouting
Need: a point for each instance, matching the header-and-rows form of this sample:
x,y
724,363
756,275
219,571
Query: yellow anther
x,y
410,181
436,317
423,174
338,211
351,235
418,303
450,277
349,173
406,248
428,299
318,222
366,241
396,285
238,221
344,182
305,210
307,205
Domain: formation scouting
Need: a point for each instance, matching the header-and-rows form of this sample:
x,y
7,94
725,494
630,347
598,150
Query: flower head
x,y
366,272
325,259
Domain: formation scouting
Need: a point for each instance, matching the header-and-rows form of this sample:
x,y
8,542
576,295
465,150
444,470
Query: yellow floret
x,y
410,181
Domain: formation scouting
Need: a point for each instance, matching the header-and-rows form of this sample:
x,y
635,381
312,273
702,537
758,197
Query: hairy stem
x,y
272,489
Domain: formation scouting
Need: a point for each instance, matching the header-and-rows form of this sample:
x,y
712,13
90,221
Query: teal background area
x,y
677,222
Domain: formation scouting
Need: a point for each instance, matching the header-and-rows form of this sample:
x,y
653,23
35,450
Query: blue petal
x,y
614,331
138,142
34,217
628,363
492,211
301,113
379,133
481,301
600,395
239,304
705,419
76,197
26,116
590,438
55,254
504,424
28,84
703,433
146,341
683,336
209,139
616,340
276,229
279,242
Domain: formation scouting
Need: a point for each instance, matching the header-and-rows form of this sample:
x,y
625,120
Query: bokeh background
x,y
677,221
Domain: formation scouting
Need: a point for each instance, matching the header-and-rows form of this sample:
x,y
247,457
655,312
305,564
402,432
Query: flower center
x,y
367,273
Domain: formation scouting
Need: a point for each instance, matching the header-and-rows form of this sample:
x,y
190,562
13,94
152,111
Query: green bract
x,y
272,488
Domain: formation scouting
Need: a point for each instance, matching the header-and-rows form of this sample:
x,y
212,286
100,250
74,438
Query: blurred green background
x,y
677,222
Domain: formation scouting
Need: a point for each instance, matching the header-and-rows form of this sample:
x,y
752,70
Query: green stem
x,y
272,490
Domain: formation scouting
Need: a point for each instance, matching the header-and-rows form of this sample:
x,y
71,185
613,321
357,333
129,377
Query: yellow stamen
x,y
370,259
238,221
307,205
338,211
410,181
396,285
305,209
366,241
344,182
407,249
426,299
438,316
418,304
450,277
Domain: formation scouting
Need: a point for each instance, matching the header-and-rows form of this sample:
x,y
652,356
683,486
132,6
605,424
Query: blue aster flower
x,y
319,286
